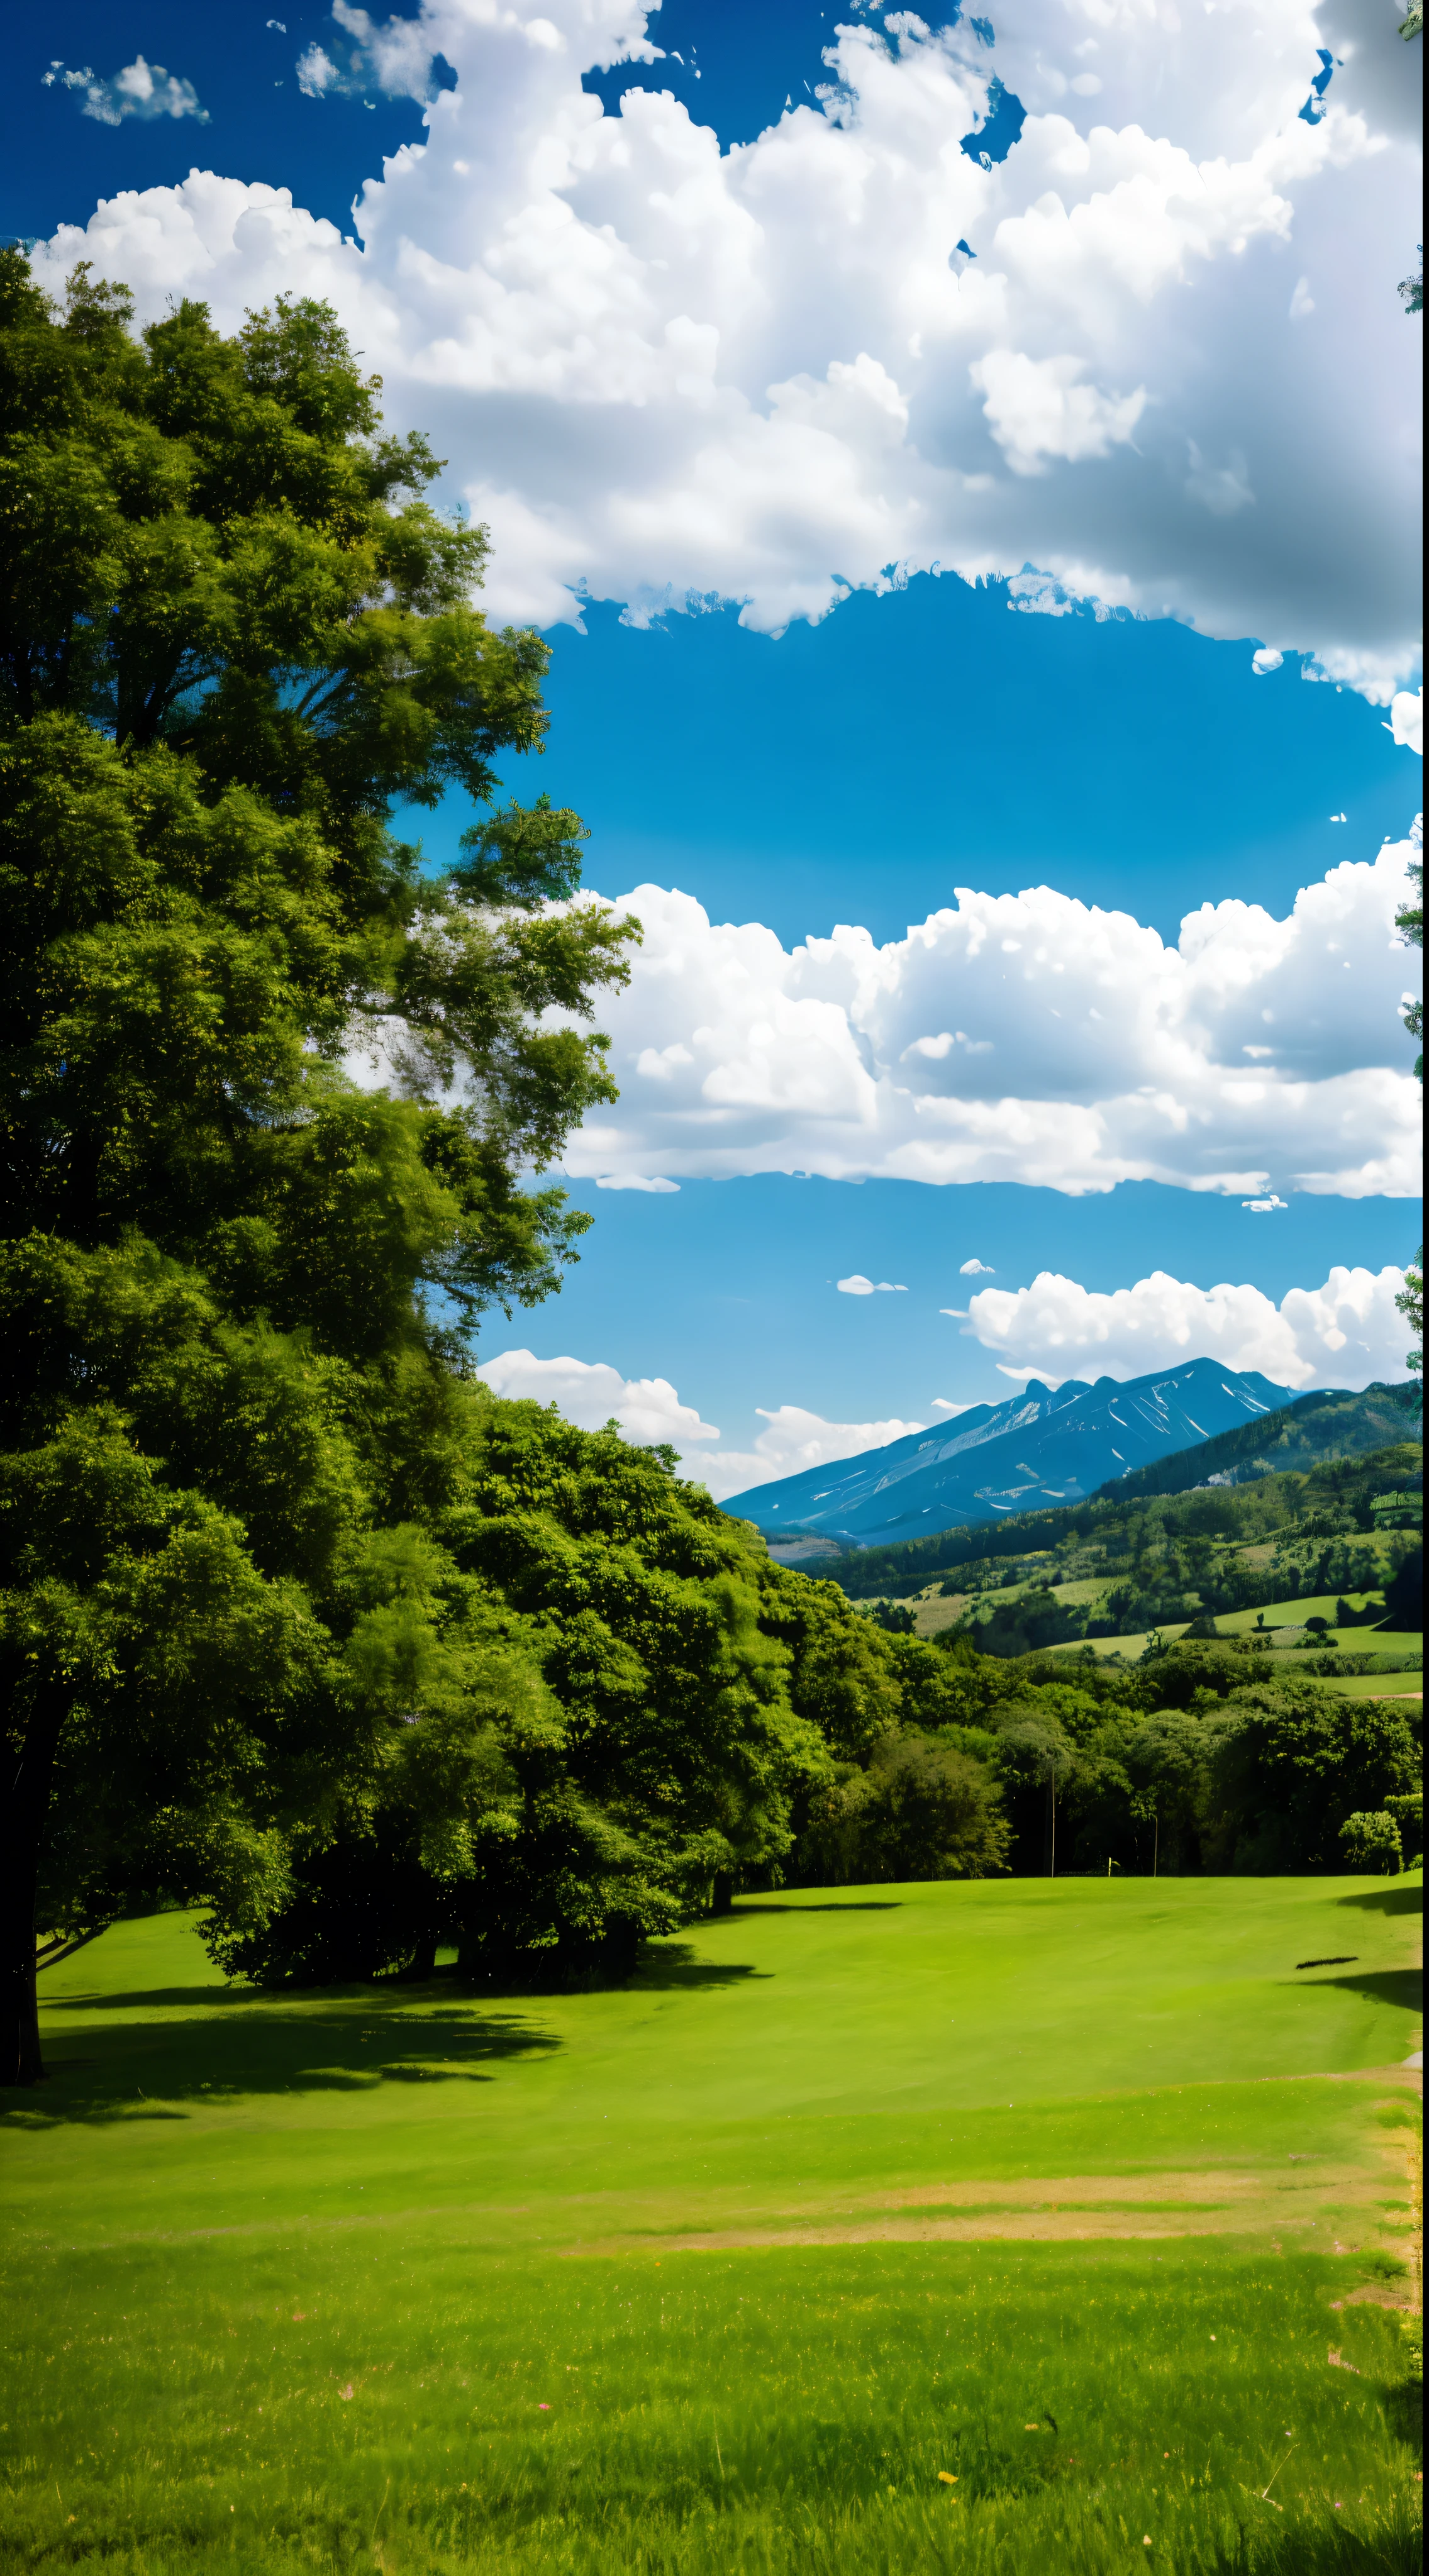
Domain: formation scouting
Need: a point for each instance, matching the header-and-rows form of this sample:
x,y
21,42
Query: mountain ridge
x,y
1331,1421
1043,1447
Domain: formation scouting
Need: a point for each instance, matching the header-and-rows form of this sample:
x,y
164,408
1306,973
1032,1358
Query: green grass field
x,y
1319,1605
1398,1653
1399,1686
1016,2226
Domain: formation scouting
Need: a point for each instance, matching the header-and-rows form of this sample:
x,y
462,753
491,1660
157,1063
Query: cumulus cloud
x,y
590,1393
663,372
396,57
1256,1055
795,1439
976,1270
858,1286
142,90
1407,719
648,1410
1346,1333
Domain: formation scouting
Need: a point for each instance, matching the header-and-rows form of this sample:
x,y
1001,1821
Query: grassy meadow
x,y
1004,2226
1396,1654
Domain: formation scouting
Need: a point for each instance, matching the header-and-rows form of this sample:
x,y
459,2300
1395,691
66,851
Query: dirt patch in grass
x,y
1336,2203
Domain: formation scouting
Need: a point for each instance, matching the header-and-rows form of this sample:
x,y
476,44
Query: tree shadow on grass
x,y
196,2000
1402,1986
1391,2547
1387,1900
232,2043
836,1905
674,1966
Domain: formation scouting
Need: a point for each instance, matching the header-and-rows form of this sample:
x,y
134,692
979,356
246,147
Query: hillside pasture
x,y
1293,1614
997,2226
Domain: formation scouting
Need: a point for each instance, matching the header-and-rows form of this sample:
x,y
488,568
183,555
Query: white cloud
x,y
1344,1334
793,1441
591,1394
648,1409
1264,1207
1039,411
395,57
1267,659
141,90
663,372
1407,720
317,72
976,1270
858,1286
1256,1055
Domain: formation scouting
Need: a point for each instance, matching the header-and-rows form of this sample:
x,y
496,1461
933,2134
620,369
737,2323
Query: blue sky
x,y
760,776
834,746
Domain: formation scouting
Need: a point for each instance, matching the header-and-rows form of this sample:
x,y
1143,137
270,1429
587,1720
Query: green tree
x,y
1037,1762
1371,1843
578,1721
1404,1594
1410,1303
845,1671
1296,1761
920,1810
1142,1791
946,1683
237,1279
1409,922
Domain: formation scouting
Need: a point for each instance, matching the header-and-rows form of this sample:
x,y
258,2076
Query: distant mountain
x,y
1301,1436
1038,1448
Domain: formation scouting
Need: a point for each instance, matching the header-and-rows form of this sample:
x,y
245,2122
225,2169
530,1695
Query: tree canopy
x,y
237,1267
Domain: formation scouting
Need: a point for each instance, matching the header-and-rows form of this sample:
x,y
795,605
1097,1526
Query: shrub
x,y
920,1811
1371,1842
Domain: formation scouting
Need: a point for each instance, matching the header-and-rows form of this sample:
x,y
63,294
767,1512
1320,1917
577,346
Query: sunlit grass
x,y
309,2283
295,2401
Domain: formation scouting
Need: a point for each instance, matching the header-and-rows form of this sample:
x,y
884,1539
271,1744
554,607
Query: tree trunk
x,y
21,1837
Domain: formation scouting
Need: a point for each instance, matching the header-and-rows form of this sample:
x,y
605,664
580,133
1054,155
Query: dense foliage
x,y
233,633
605,1708
1205,1757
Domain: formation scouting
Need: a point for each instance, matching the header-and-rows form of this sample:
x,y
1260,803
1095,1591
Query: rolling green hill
x,y
989,2227
1369,1502
1300,1436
